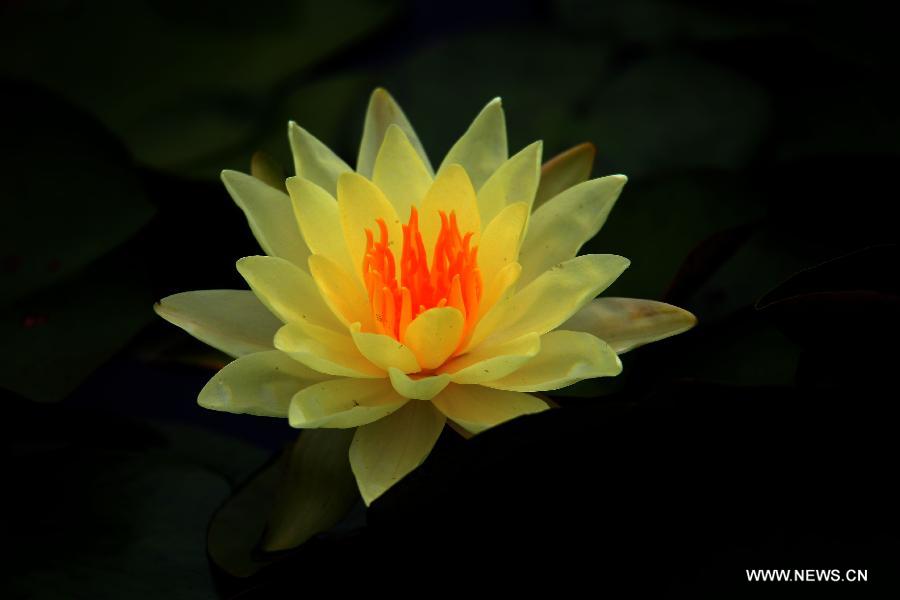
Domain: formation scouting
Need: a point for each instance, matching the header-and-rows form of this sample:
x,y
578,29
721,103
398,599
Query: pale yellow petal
x,y
384,351
233,321
269,215
361,205
343,403
565,358
482,148
515,181
434,335
317,214
555,296
561,226
325,351
384,452
626,323
417,387
451,192
486,364
286,290
477,408
493,305
501,241
313,160
261,384
565,170
383,112
400,173
342,292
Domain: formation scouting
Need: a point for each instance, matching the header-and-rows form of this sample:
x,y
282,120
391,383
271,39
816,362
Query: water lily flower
x,y
395,297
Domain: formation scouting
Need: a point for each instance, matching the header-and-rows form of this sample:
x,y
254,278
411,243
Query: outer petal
x,y
565,170
561,226
551,298
565,357
482,148
325,351
384,452
434,335
232,321
384,351
451,192
262,383
313,160
486,364
361,204
400,173
317,214
341,292
502,239
383,112
515,181
420,388
477,408
286,290
343,403
269,214
626,323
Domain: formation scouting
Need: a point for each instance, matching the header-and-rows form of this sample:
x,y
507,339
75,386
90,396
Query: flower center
x,y
452,280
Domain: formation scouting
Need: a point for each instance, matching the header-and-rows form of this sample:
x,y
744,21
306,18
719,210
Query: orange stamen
x,y
399,291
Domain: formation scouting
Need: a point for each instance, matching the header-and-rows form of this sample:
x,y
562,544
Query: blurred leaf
x,y
70,192
106,507
190,82
51,341
316,491
307,491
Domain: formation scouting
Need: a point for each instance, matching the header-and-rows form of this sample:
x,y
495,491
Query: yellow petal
x,y
482,148
565,170
561,226
384,452
418,388
325,351
555,296
434,335
451,191
361,204
266,169
286,290
233,321
565,358
384,351
383,112
270,216
341,292
313,160
515,181
320,222
493,305
626,323
343,403
477,408
486,364
502,239
262,384
400,173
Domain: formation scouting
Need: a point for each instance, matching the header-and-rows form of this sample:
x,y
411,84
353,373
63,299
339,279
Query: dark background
x,y
761,143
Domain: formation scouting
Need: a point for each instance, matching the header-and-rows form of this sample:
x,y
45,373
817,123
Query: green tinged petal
x,y
384,452
476,408
483,147
262,384
270,216
627,323
313,160
233,321
516,180
383,112
344,403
